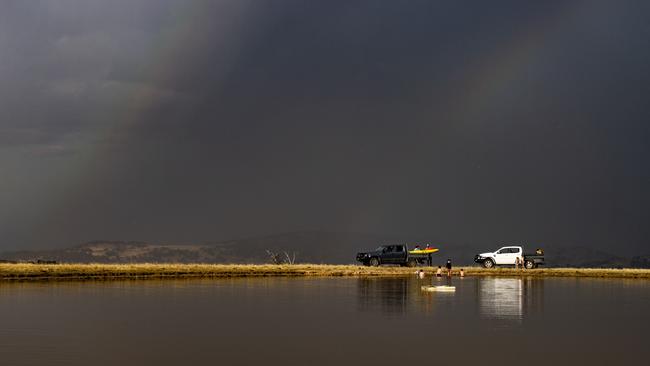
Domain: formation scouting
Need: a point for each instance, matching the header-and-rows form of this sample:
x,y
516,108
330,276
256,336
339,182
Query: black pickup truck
x,y
395,254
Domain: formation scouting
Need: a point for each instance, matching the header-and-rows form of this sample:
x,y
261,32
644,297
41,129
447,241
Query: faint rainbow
x,y
169,48
482,83
508,64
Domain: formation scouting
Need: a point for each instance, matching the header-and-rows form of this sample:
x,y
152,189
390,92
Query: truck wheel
x,y
489,263
529,264
411,263
374,262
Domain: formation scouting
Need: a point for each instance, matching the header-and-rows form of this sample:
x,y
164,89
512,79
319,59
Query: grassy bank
x,y
12,272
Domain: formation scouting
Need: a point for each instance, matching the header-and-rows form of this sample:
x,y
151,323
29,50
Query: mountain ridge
x,y
319,247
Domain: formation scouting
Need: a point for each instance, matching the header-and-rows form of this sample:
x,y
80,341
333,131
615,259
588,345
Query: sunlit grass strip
x,y
147,270
10,272
562,272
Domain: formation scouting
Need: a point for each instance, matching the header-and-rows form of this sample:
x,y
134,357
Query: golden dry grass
x,y
562,272
9,272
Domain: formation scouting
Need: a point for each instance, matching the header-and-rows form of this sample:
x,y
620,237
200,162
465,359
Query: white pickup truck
x,y
508,256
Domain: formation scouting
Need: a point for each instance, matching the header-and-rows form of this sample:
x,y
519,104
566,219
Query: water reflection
x,y
326,321
389,295
510,298
400,295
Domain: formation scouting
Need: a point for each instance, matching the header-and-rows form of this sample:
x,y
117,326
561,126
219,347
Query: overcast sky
x,y
192,121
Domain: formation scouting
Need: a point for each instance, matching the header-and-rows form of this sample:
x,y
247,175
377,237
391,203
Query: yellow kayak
x,y
424,251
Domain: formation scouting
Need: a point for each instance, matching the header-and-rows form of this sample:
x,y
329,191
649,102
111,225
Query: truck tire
x,y
489,263
528,264
374,262
411,263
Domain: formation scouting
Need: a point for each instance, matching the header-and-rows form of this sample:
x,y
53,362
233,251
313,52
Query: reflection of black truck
x,y
393,254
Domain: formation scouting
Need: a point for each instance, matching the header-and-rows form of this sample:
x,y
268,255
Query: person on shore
x,y
448,267
517,263
462,272
439,272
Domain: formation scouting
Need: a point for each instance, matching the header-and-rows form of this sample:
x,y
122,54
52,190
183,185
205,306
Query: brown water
x,y
325,321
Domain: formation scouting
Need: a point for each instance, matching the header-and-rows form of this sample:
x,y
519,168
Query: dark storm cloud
x,y
202,120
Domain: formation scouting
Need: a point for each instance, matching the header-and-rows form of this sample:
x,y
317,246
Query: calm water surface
x,y
325,321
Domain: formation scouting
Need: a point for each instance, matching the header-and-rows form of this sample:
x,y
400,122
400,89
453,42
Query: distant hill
x,y
581,256
309,246
641,261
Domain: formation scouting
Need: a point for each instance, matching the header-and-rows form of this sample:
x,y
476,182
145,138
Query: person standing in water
x,y
448,267
439,272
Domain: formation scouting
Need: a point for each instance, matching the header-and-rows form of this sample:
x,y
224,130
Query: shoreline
x,y
61,272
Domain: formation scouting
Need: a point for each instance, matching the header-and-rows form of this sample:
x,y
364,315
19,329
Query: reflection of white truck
x,y
508,256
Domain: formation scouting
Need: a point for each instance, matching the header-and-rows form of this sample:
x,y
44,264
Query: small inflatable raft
x,y
439,288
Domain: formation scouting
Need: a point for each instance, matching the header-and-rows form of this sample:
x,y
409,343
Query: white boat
x,y
439,288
